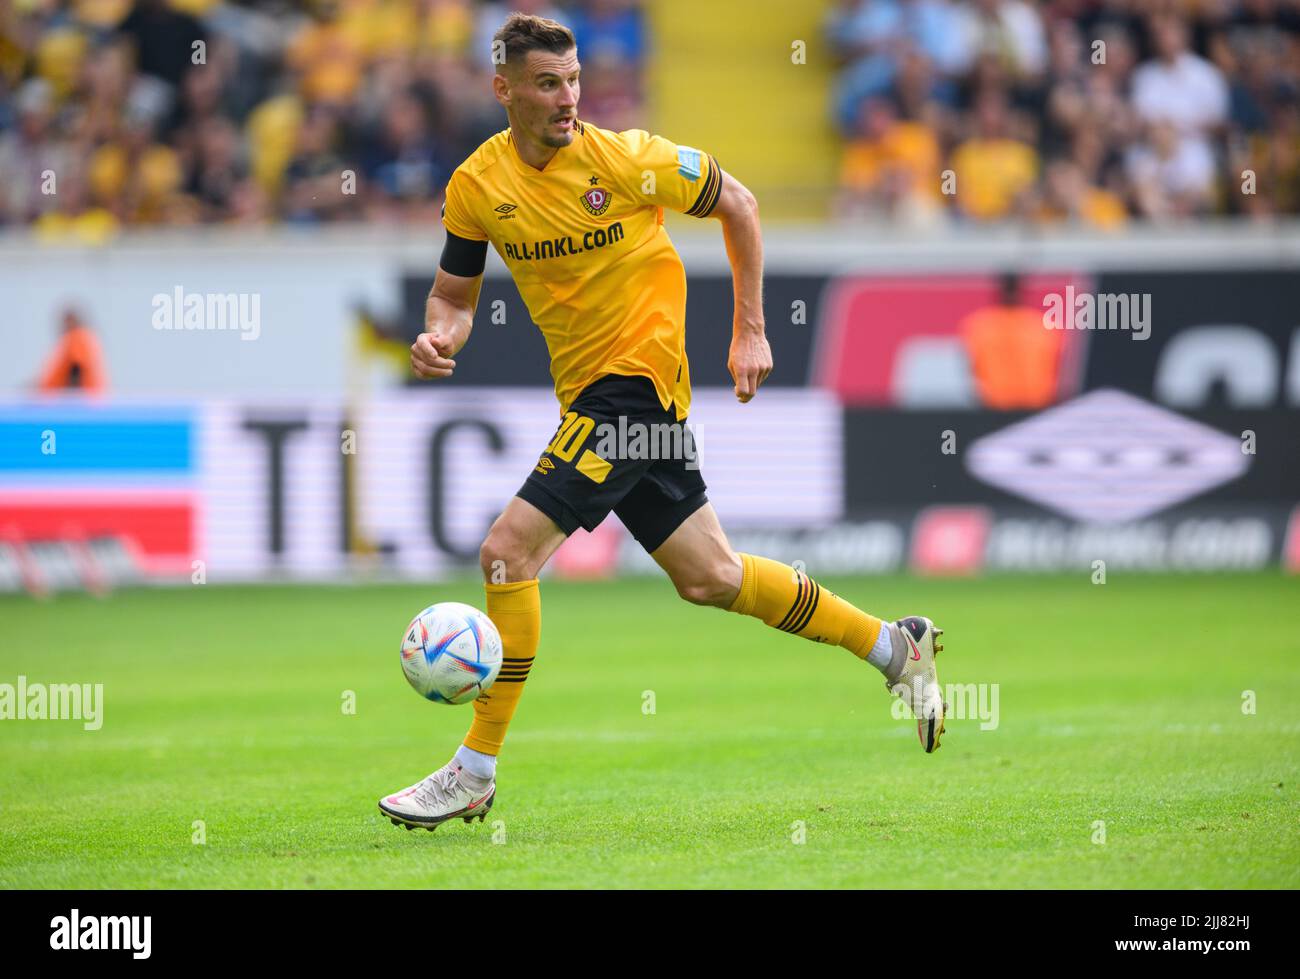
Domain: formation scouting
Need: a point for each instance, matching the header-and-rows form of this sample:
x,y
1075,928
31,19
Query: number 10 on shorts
x,y
573,431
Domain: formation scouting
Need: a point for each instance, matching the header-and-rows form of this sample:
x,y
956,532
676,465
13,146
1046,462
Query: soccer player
x,y
576,213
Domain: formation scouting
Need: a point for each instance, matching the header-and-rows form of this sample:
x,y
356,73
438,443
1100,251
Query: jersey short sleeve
x,y
456,214
680,178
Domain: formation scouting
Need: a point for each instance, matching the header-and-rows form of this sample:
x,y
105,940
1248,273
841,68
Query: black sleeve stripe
x,y
708,199
461,256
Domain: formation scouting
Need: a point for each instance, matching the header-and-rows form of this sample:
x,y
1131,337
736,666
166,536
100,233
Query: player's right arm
x,y
449,310
448,318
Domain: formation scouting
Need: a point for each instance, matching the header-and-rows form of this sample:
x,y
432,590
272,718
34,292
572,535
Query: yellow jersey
x,y
585,241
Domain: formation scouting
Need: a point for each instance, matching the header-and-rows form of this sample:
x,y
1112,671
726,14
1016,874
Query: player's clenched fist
x,y
749,361
430,355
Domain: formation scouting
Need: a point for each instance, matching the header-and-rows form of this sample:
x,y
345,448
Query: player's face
x,y
543,98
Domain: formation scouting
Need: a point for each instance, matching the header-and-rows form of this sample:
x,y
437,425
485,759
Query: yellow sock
x,y
792,602
516,610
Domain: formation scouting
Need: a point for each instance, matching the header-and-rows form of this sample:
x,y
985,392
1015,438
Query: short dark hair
x,y
522,33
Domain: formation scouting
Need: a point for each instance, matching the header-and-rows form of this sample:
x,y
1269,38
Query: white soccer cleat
x,y
911,675
448,793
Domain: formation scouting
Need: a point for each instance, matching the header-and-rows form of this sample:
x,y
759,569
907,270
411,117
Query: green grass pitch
x,y
1118,704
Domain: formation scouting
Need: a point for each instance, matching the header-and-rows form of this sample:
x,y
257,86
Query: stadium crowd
x,y
182,112
1094,112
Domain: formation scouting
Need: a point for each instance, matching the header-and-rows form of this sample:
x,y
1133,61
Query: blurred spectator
x,y
873,38
1068,196
166,40
890,169
403,162
1178,86
216,168
314,178
1172,176
328,55
1183,99
993,169
612,45
610,33
77,361
30,154
1010,31
1014,358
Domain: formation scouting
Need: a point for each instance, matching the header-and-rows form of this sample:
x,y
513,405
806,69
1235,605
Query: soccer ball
x,y
451,653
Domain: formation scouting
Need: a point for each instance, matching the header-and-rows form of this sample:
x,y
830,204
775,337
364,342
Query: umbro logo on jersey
x,y
544,465
596,201
504,208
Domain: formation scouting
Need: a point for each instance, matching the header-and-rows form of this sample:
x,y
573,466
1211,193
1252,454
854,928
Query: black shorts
x,y
618,449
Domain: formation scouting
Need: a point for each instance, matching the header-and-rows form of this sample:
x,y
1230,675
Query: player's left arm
x,y
750,357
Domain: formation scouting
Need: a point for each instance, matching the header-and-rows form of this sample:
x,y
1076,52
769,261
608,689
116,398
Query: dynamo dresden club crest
x,y
596,201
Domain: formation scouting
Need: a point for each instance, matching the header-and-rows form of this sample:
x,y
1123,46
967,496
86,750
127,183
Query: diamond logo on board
x,y
1106,457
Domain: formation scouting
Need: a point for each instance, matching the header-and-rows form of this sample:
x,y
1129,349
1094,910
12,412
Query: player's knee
x,y
716,585
698,592
504,556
